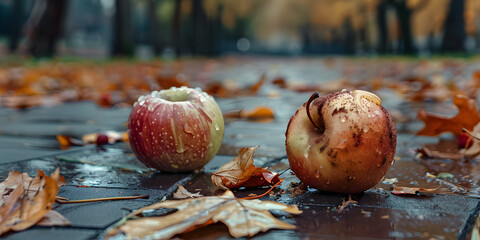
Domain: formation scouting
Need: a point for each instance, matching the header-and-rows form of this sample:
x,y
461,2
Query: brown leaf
x,y
183,193
66,141
255,87
435,154
473,150
25,201
410,190
260,112
242,217
53,218
467,118
346,203
241,172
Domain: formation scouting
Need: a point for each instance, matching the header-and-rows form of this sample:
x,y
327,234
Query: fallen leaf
x,y
25,200
473,150
435,154
255,87
242,217
260,112
467,117
297,189
476,229
66,142
410,190
241,172
53,218
107,137
183,193
445,175
390,180
346,203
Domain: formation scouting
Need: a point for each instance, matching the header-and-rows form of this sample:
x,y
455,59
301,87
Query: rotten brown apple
x,y
176,130
342,142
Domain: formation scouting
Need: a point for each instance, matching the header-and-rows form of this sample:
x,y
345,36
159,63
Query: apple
x,y
176,130
343,142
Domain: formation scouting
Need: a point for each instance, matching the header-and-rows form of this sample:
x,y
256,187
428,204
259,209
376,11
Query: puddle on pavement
x,y
106,157
445,176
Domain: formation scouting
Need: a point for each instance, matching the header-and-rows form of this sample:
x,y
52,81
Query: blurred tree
x,y
155,30
176,27
16,24
404,10
123,30
455,34
44,26
202,41
382,26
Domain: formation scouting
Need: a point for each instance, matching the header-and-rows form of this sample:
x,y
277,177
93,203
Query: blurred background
x,y
147,29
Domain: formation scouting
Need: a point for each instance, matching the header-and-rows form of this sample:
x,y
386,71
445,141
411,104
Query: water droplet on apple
x,y
317,174
151,107
307,151
217,127
328,182
141,102
174,166
365,130
180,148
187,128
343,119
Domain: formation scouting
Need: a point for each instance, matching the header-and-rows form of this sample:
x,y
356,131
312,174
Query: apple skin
x,y
176,130
346,145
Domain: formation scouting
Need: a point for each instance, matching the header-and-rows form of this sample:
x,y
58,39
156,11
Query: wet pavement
x,y
28,142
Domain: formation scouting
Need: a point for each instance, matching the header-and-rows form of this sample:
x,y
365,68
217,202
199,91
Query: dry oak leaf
x,y
242,217
240,172
467,118
183,193
26,201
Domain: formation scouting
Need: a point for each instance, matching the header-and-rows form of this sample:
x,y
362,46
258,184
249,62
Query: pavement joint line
x,y
468,227
182,182
119,188
52,155
69,227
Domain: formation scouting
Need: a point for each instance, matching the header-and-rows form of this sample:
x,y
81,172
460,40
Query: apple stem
x,y
314,96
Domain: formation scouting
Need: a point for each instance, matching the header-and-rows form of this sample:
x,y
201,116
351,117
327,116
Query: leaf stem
x,y
64,201
265,193
470,133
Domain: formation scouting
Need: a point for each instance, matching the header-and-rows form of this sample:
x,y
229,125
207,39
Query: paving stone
x,y
100,214
27,143
49,233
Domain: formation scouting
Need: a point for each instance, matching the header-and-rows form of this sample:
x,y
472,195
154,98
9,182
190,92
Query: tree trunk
x,y
176,27
382,27
16,23
155,30
404,14
454,38
45,26
123,31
